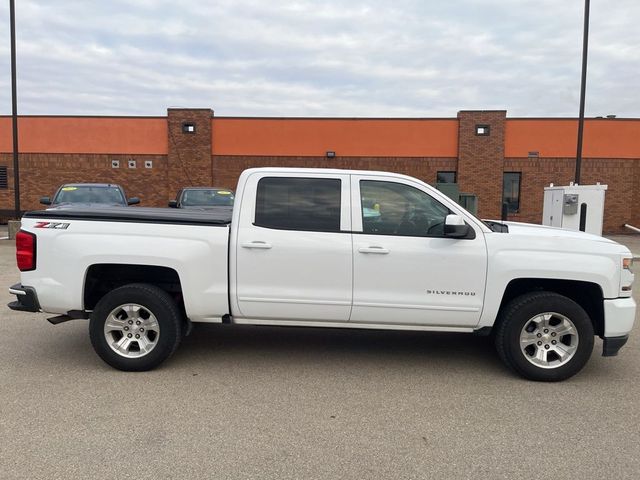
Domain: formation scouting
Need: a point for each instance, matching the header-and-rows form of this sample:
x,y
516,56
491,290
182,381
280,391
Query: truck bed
x,y
192,244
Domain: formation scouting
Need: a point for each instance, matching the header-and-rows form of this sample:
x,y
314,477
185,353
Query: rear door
x,y
294,248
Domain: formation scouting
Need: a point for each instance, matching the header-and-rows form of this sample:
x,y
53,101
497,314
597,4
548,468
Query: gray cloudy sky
x,y
414,58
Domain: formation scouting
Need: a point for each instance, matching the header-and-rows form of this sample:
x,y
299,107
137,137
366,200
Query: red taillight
x,y
26,251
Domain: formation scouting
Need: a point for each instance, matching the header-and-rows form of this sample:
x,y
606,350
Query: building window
x,y
483,130
511,191
308,204
4,182
446,177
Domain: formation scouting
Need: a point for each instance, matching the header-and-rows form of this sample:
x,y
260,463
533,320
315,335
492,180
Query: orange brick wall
x,y
348,137
52,134
618,174
621,175
557,137
537,174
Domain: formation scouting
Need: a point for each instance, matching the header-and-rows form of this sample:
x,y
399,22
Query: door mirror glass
x,y
173,204
133,201
455,227
45,200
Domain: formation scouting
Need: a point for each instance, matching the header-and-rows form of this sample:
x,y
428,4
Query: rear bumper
x,y
27,299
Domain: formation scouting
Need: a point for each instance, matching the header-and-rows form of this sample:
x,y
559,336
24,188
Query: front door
x,y
294,252
405,270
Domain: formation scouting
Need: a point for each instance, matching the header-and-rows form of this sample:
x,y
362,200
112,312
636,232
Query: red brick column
x,y
481,159
189,153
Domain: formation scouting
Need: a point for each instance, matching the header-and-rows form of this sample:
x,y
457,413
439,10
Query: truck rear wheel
x,y
135,327
544,336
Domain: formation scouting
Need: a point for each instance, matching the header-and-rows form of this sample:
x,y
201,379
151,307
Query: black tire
x,y
152,299
519,313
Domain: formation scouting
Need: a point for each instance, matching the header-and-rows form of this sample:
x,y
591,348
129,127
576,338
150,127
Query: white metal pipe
x,y
631,227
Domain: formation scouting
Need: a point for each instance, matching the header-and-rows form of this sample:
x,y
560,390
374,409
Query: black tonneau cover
x,y
216,217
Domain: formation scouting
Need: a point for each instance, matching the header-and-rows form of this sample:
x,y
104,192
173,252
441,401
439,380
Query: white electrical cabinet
x,y
574,207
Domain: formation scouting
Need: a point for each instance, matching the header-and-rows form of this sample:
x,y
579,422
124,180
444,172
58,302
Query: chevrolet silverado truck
x,y
327,248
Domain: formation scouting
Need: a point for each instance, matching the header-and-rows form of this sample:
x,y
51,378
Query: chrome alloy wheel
x,y
131,330
549,340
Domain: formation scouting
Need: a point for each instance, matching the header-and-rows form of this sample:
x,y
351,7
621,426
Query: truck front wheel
x,y
544,336
135,327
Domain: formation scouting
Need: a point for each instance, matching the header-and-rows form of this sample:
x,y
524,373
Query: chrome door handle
x,y
257,244
373,249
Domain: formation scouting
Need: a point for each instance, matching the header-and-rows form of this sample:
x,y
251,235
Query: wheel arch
x,y
101,278
588,295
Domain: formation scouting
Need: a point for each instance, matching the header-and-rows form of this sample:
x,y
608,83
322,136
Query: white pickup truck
x,y
327,248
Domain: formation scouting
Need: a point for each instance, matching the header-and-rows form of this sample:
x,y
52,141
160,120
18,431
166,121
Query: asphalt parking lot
x,y
258,402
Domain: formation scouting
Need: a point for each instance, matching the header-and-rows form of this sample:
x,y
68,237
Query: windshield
x,y
211,197
108,195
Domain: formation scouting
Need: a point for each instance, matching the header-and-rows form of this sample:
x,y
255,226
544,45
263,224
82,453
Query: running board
x,y
71,315
371,326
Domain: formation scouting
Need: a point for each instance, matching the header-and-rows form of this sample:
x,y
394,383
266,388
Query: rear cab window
x,y
306,204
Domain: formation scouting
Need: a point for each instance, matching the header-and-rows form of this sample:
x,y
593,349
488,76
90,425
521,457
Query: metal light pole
x,y
583,86
14,110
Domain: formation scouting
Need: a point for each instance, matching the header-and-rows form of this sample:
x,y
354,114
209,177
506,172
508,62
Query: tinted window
x,y
511,191
390,208
90,194
207,197
298,204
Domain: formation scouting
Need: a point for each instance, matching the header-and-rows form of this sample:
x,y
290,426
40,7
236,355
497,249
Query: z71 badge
x,y
55,225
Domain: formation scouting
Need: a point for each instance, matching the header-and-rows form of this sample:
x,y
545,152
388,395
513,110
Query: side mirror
x,y
45,200
455,227
173,204
133,201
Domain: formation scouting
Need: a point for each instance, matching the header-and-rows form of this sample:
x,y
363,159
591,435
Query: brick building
x,y
496,157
